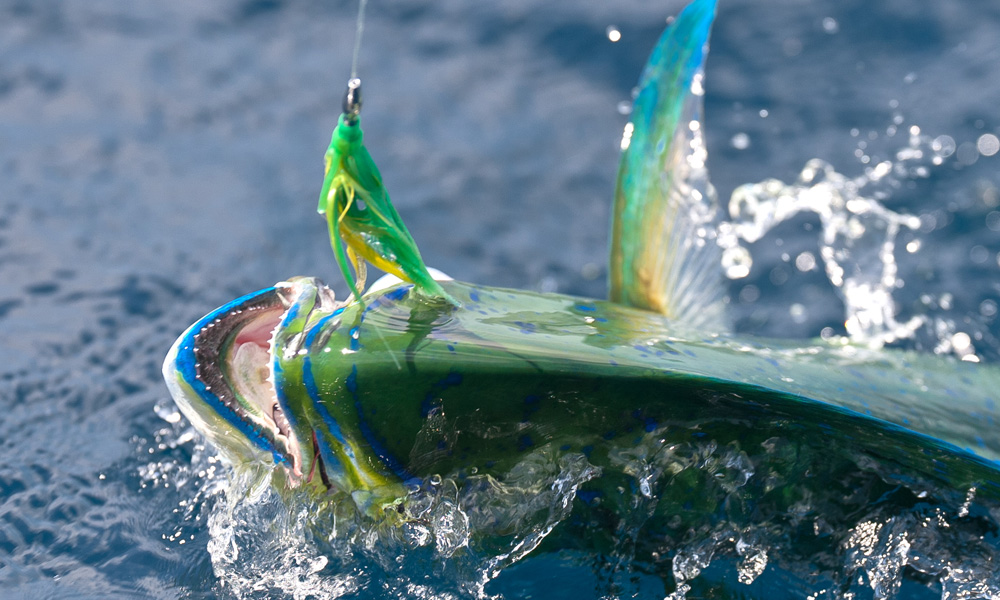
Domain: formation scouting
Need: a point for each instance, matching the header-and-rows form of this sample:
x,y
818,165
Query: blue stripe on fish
x,y
309,381
387,458
329,458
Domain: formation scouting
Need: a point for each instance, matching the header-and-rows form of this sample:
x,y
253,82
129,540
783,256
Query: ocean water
x,y
158,160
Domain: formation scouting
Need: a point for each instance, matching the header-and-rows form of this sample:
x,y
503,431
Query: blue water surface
x,y
159,159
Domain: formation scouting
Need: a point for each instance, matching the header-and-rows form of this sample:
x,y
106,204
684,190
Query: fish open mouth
x,y
221,375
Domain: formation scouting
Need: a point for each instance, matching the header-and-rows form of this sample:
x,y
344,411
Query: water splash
x,y
867,532
861,546
184,462
462,530
857,244
857,239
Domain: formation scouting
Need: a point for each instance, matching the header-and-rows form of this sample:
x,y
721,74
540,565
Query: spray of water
x,y
857,238
865,536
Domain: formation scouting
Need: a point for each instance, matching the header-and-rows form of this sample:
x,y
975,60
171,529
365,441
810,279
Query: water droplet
x,y
167,412
830,25
749,294
737,262
988,144
779,275
979,254
792,47
805,262
967,153
697,85
590,271
740,141
798,313
961,342
943,146
613,33
627,136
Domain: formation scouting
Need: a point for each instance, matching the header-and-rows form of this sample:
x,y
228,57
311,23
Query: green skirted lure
x,y
363,398
359,213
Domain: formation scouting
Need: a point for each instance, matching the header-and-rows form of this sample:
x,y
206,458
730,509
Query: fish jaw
x,y
220,375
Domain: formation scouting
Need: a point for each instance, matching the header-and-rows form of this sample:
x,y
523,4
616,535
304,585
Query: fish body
x,y
374,394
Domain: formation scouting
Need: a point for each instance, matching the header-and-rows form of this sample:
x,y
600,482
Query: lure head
x,y
237,375
352,101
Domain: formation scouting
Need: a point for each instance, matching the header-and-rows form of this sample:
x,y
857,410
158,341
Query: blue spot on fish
x,y
431,400
352,380
525,327
398,293
530,407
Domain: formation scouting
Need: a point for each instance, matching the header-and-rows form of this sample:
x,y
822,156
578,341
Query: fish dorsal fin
x,y
663,251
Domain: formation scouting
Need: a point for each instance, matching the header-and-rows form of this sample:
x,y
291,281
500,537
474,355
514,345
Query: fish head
x,y
233,376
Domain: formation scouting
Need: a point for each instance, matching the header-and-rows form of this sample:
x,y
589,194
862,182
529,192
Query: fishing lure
x,y
360,215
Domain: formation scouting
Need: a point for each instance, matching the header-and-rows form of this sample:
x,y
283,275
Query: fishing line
x,y
357,37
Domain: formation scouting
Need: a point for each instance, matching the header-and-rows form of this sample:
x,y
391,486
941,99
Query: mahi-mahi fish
x,y
360,398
